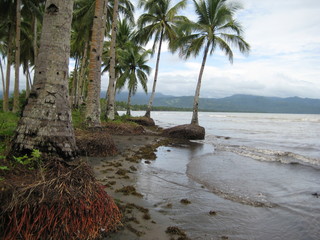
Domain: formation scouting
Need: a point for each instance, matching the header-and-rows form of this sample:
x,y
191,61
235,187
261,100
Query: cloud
x,y
284,61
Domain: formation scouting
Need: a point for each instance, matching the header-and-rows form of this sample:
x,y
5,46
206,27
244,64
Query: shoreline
x,y
119,174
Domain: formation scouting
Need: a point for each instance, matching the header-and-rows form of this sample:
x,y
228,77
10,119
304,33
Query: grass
x,y
8,124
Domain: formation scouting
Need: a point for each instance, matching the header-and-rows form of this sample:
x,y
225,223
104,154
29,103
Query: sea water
x,y
260,174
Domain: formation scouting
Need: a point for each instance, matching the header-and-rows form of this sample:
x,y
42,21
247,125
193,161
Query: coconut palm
x,y
112,70
133,62
216,28
161,23
93,98
92,113
7,22
17,57
46,119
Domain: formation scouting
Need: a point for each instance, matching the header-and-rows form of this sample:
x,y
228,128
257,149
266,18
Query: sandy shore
x,y
120,174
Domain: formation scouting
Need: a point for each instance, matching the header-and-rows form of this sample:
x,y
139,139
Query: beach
x,y
120,174
228,186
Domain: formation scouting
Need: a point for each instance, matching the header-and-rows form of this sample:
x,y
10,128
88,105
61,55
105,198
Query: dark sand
x,y
141,219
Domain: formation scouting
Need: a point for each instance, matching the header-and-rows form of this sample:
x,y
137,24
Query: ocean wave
x,y
259,200
268,155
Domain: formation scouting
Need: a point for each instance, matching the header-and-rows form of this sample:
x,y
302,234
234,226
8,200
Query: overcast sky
x,y
284,60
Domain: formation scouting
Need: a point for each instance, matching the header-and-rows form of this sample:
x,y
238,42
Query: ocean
x,y
255,176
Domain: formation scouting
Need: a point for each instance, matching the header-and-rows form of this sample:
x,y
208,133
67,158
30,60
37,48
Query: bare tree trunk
x,y
8,71
129,103
30,81
81,78
17,58
46,119
93,110
27,83
35,45
195,119
112,71
74,84
2,78
148,112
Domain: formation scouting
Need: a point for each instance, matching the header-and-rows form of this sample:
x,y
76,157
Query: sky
x,y
284,60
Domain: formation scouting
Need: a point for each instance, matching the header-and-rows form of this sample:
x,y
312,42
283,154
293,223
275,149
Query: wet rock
x,y
185,201
186,131
213,213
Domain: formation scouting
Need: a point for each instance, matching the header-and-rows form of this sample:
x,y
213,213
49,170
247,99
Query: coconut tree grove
x,y
95,48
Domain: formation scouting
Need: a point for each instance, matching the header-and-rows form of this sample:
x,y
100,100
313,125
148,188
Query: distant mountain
x,y
235,103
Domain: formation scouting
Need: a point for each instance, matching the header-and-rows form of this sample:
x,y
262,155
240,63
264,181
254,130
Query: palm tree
x,y
112,70
46,119
17,57
133,62
215,28
92,114
160,22
7,13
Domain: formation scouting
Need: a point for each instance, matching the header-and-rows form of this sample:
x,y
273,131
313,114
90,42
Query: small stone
x,y
185,201
213,213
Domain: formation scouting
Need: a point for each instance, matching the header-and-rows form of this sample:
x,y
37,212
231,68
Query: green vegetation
x,y
8,124
121,106
33,161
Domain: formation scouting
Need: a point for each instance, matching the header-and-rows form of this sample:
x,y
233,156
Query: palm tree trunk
x,y
46,119
93,110
35,43
74,83
112,71
27,83
2,78
17,58
35,37
30,79
148,112
194,119
129,103
81,85
8,71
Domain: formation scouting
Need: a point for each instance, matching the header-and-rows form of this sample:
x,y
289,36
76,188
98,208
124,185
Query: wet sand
x,y
120,175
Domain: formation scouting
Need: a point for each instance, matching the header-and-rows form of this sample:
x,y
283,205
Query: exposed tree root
x,y
61,202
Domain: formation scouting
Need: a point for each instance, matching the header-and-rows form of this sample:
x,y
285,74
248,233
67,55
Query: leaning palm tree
x,y
216,28
160,22
133,62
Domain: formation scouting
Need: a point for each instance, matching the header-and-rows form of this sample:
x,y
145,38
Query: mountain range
x,y
235,103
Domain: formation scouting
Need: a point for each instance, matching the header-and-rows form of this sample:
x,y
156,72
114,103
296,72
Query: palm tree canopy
x,y
133,61
216,27
159,20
